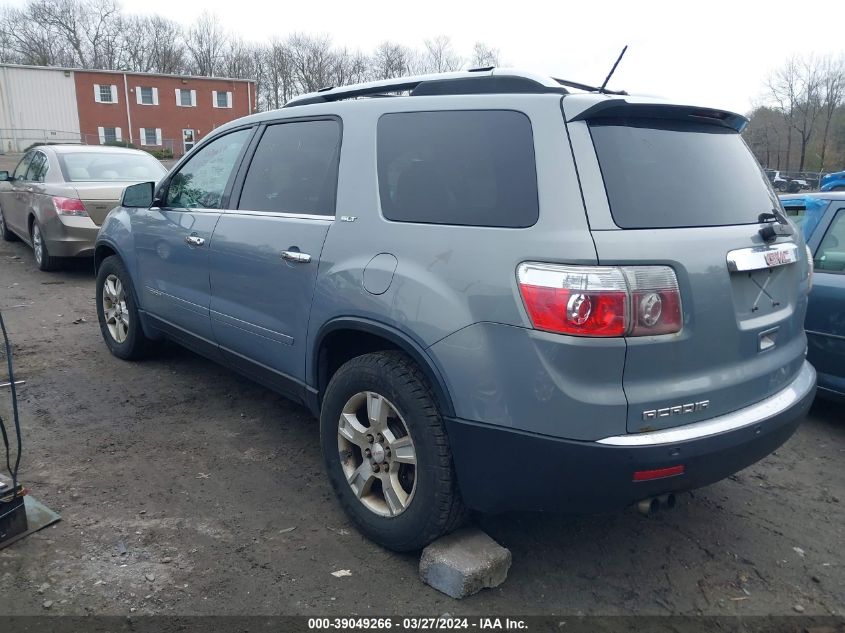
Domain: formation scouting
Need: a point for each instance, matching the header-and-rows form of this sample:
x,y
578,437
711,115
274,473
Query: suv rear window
x,y
666,174
472,168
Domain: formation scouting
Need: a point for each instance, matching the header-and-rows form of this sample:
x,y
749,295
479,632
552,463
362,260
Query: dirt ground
x,y
185,489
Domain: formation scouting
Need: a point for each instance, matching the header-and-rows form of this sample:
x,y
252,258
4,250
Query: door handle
x,y
296,256
193,240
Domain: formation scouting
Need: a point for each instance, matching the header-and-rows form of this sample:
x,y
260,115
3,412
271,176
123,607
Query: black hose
x,y
12,471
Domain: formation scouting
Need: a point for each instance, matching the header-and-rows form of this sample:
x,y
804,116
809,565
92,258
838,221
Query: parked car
x,y
833,182
783,184
58,195
822,219
485,290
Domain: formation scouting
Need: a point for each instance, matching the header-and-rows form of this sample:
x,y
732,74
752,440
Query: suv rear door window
x,y
294,169
667,174
473,168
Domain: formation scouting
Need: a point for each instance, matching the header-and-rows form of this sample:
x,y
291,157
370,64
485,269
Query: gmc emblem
x,y
679,409
778,258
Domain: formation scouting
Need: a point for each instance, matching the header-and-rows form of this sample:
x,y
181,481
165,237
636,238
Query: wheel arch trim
x,y
395,336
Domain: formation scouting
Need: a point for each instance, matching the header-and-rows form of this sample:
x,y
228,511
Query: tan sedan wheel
x,y
39,249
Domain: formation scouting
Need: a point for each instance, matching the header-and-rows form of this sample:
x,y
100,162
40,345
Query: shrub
x,y
162,154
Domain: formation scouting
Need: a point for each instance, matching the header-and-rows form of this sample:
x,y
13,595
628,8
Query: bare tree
x,y
782,85
206,42
832,95
439,56
483,56
313,62
391,60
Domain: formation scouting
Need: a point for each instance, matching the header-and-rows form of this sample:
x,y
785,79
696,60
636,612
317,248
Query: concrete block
x,y
464,562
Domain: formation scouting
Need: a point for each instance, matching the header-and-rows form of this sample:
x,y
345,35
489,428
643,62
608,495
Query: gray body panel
x,y
172,276
260,303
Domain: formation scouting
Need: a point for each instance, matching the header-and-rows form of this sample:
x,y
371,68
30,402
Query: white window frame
x,y
101,132
139,99
142,136
112,90
215,95
179,98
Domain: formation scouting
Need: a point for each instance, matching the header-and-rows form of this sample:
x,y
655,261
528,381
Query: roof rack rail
x,y
487,80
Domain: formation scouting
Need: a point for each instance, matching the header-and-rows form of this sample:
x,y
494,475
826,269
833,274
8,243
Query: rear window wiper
x,y
776,224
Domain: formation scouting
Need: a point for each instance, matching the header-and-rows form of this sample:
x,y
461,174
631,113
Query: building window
x,y
109,135
186,98
222,99
104,93
147,95
150,136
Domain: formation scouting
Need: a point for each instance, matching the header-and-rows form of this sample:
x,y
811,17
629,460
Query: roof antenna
x,y
613,70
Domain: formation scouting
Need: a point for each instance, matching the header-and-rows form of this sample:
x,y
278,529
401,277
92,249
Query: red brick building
x,y
157,111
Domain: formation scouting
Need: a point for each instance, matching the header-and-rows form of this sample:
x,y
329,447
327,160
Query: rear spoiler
x,y
621,108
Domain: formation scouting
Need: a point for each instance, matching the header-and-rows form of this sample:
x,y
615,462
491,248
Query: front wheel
x,y
117,312
5,233
387,454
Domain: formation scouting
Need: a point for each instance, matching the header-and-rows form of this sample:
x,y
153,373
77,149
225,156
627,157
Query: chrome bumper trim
x,y
756,413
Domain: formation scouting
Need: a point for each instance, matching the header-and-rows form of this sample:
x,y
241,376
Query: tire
x,y
121,327
433,505
5,232
43,259
782,186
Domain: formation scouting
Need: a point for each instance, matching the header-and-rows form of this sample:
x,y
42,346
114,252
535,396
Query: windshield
x,y
110,167
662,174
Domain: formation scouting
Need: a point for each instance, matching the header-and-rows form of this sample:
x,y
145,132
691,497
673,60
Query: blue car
x,y
821,217
833,182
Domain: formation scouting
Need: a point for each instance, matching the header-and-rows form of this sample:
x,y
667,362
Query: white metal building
x,y
36,105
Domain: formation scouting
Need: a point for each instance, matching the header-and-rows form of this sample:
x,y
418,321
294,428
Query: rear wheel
x,y
117,312
387,454
5,233
43,258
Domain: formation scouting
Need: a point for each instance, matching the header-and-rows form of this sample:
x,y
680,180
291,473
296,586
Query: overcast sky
x,y
710,53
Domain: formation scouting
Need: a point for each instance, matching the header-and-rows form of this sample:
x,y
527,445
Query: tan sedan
x,y
58,196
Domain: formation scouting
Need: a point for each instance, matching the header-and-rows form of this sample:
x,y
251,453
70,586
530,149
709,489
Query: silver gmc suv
x,y
496,290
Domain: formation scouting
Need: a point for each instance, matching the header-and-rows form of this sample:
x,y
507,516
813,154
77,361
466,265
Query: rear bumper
x,y
70,236
503,469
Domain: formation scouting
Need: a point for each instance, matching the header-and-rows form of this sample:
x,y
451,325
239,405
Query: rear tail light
x,y
68,206
601,301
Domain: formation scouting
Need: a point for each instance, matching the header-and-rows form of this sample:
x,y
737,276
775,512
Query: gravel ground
x,y
213,487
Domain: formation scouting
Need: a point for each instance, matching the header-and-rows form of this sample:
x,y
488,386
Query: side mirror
x,y
138,196
4,176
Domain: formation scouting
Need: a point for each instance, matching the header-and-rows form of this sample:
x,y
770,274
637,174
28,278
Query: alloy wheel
x,y
114,308
377,453
37,244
